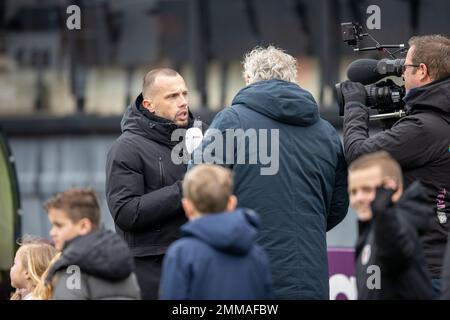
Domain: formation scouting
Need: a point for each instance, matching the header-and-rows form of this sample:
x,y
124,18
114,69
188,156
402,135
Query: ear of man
x,y
149,105
424,75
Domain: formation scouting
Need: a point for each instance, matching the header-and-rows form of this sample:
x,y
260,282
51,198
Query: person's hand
x,y
354,92
383,199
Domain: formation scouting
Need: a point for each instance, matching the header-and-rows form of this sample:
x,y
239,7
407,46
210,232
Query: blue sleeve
x,y
213,147
174,283
339,201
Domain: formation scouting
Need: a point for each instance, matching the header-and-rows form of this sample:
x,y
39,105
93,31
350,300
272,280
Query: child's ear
x,y
85,226
398,194
232,203
188,208
391,183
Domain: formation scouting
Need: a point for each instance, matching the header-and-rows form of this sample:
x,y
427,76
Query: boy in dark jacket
x,y
216,258
390,262
94,264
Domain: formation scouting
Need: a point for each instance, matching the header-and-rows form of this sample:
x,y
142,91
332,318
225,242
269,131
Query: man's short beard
x,y
184,124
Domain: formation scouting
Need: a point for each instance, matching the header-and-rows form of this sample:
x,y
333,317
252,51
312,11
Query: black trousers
x,y
148,272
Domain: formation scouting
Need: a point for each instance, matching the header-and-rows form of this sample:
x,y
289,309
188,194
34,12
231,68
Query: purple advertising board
x,y
341,270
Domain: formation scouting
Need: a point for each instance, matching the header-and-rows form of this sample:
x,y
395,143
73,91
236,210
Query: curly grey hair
x,y
269,63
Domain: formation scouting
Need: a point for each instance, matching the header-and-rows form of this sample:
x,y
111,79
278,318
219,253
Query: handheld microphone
x,y
194,136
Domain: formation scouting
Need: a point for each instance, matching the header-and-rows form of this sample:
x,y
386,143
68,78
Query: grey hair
x,y
269,63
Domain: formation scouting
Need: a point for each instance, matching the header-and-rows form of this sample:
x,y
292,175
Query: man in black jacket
x,y
390,263
419,141
142,182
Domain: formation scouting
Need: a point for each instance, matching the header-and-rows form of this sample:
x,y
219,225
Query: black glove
x,y
382,201
354,92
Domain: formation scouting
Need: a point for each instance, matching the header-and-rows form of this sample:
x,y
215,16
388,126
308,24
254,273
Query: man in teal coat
x,y
288,166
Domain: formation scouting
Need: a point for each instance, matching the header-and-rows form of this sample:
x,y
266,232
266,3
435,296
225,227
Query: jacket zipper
x,y
161,172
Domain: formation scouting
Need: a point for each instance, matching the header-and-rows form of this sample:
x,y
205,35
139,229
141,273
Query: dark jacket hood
x,y
230,232
140,121
415,207
102,254
280,100
435,95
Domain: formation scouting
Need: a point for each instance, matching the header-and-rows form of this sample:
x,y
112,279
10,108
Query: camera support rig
x,y
352,34
382,116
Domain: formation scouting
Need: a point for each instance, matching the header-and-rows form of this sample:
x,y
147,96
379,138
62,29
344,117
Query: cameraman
x,y
419,141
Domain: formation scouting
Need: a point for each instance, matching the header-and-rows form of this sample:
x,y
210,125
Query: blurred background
x,y
62,92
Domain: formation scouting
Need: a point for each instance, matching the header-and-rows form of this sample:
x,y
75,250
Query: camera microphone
x,y
368,71
363,71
